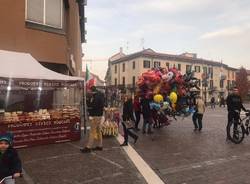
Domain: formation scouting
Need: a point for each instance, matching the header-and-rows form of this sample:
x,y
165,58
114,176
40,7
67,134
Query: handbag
x,y
129,124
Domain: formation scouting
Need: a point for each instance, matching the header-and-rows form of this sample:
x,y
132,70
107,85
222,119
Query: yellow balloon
x,y
173,97
158,98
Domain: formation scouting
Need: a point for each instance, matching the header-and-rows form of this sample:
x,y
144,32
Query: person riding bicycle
x,y
234,106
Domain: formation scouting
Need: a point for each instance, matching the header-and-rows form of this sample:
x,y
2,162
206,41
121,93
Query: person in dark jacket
x,y
234,106
222,102
128,110
10,163
147,114
137,110
212,102
96,103
128,116
95,110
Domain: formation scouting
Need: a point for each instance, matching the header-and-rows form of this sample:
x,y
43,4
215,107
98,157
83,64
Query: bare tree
x,y
242,82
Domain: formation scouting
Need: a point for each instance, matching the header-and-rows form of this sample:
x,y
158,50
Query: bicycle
x,y
6,179
238,130
10,179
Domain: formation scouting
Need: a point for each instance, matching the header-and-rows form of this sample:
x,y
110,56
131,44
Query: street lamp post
x,y
206,92
205,84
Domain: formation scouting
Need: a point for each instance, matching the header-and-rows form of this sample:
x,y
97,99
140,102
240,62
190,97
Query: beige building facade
x,y
125,70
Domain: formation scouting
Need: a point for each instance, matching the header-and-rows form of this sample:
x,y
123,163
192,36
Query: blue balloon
x,y
191,110
155,106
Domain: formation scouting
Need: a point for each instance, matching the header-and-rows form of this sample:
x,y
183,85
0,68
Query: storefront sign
x,y
33,83
28,134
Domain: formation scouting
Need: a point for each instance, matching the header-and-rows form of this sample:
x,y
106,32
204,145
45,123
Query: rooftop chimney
x,y
121,50
191,55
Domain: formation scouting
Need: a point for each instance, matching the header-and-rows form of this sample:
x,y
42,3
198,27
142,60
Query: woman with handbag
x,y
128,120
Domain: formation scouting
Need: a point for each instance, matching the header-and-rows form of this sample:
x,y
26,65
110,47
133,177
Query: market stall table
x,y
37,105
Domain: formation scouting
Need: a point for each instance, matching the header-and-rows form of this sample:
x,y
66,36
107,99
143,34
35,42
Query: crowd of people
x,y
132,111
136,108
221,102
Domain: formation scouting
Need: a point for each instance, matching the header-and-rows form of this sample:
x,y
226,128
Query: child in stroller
x,y
160,116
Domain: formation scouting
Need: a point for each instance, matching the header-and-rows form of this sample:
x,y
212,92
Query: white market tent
x,y
20,72
24,66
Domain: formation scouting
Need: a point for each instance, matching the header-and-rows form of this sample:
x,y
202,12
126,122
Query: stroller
x,y
160,119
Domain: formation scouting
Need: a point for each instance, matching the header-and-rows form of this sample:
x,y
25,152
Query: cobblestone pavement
x,y
176,153
181,156
64,164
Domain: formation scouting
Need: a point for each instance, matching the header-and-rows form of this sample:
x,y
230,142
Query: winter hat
x,y
6,137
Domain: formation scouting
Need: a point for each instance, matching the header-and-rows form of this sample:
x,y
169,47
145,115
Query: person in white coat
x,y
200,110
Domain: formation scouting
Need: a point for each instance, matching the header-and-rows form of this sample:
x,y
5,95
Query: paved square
x,y
176,153
181,156
64,164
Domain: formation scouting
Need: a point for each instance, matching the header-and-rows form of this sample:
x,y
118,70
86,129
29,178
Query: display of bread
x,y
110,125
66,112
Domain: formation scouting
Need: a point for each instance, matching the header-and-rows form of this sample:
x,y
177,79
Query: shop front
x,y
37,105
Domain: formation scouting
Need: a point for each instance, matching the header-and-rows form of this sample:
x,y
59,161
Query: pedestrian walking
x,y
147,115
95,110
137,111
128,120
222,102
198,115
212,102
194,119
10,163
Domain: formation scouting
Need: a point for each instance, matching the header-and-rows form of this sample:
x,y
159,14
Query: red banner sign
x,y
28,134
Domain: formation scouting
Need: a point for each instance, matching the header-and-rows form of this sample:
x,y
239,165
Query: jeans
x,y
138,118
95,132
128,132
232,115
197,117
194,119
146,122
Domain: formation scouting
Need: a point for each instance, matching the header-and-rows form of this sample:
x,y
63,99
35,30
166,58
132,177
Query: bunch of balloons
x,y
168,86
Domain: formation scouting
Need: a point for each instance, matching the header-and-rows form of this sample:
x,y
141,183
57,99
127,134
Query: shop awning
x,y
22,70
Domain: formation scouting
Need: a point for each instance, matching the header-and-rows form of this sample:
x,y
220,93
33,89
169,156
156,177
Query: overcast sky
x,y
214,29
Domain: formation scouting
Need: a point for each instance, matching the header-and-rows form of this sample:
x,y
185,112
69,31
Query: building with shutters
x,y
52,31
215,78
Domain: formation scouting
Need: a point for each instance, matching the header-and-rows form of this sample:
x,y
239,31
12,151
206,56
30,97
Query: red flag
x,y
90,83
